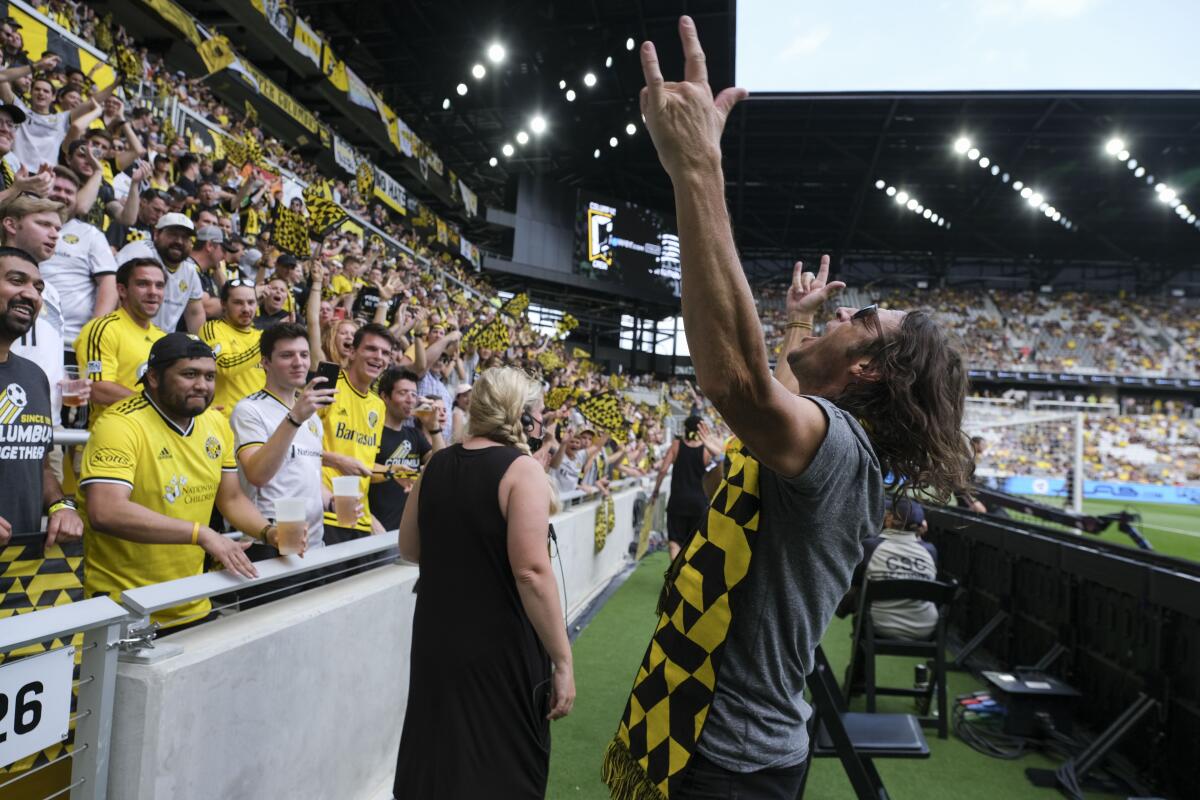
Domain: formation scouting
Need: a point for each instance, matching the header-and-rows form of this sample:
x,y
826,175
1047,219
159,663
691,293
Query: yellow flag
x,y
217,53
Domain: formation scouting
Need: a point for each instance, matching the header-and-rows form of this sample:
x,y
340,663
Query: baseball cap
x,y
211,233
175,220
286,260
909,512
14,111
173,347
250,257
462,388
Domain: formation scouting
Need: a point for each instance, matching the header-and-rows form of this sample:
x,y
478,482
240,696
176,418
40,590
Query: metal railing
x,y
99,620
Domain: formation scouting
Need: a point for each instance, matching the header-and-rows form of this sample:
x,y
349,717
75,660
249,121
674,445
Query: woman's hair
x,y
913,412
329,340
499,397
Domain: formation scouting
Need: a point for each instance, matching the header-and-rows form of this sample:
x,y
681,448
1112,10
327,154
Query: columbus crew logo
x,y
212,448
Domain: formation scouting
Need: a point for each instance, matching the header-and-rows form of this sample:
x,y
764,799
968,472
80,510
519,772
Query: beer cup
x,y
346,491
72,386
292,524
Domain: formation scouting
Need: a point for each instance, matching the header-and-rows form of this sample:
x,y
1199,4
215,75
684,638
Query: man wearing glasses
x,y
235,341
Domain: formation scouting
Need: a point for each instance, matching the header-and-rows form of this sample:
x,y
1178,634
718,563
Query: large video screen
x,y
967,45
628,244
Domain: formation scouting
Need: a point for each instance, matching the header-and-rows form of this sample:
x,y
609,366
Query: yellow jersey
x,y
338,285
171,471
239,363
114,348
353,427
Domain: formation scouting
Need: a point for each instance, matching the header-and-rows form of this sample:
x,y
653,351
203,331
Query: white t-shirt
x,y
254,419
81,256
183,285
38,139
897,555
566,474
43,345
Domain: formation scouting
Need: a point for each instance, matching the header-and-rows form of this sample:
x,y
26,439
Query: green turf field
x,y
607,654
1171,529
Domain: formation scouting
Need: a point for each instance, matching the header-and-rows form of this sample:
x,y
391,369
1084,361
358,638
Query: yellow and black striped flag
x,y
364,179
557,396
291,232
492,335
604,411
516,305
323,214
217,53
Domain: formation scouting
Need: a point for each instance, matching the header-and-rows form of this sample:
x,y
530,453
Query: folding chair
x,y
867,645
856,738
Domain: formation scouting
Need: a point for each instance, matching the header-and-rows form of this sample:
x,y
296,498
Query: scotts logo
x,y
212,448
109,457
174,488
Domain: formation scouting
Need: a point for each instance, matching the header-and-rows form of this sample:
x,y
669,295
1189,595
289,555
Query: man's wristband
x,y
195,532
288,416
807,325
434,433
60,504
262,535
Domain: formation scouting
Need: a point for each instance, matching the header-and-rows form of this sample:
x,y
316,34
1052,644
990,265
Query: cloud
x,y
805,44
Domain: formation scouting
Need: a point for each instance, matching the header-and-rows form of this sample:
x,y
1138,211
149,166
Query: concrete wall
x,y
303,698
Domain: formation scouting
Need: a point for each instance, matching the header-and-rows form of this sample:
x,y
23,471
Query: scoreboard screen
x,y
625,243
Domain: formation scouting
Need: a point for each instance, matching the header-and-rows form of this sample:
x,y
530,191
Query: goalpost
x,y
1037,452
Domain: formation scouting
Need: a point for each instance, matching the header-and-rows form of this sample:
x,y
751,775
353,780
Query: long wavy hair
x,y
499,397
912,412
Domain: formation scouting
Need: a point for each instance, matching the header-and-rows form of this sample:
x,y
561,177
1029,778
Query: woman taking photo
x,y
491,663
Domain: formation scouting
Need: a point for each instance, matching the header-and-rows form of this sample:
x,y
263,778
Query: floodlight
x,y
492,161
984,162
570,95
1131,164
879,184
1114,146
446,104
934,218
1041,206
631,129
562,84
608,62
629,43
1026,192
522,137
1018,186
1004,178
596,153
1123,155
902,197
1057,216
927,213
589,80
537,124
919,208
507,149
1191,217
962,144
995,169
1160,187
941,223
461,89
495,52
891,191
1036,200
612,141
1174,201
973,153
478,71
911,204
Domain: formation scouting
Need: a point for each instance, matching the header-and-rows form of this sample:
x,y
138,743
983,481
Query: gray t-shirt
x,y
810,536
26,432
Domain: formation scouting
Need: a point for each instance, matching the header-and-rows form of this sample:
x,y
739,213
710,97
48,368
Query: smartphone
x,y
329,371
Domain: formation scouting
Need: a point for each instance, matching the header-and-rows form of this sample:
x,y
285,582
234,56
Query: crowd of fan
x,y
1034,331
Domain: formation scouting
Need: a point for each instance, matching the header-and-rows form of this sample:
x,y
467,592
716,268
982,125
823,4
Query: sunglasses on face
x,y
865,311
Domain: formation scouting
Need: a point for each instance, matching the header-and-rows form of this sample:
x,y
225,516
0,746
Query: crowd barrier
x,y
299,698
1114,623
1105,490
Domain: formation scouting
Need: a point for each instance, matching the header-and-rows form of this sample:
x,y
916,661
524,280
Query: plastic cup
x,y
346,491
72,386
292,523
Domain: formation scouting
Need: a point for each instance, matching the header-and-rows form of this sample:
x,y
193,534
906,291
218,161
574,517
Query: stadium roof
x,y
802,170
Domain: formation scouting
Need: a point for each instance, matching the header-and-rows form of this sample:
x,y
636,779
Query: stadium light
x,y
596,153
1114,146
984,162
973,153
879,184
570,95
927,213
493,161
911,205
446,104
612,141
1131,164
608,62
962,144
495,52
1036,200
1167,194
538,124
901,197
995,169
631,129
478,71
589,80
891,191
522,137
629,43
1123,155
562,85
1018,186
1026,192
507,149
461,89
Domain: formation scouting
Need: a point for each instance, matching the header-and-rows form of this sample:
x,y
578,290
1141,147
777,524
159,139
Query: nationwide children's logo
x,y
13,401
212,448
175,488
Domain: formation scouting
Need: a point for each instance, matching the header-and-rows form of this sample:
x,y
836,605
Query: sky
x,y
967,45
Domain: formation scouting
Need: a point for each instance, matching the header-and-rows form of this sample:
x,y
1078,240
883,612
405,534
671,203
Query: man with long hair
x,y
717,708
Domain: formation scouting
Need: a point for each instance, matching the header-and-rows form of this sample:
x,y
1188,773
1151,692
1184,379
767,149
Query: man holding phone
x,y
404,448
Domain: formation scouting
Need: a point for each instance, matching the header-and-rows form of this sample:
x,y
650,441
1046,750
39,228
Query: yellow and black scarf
x,y
677,679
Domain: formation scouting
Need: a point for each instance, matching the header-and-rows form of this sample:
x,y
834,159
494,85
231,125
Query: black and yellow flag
x,y
676,682
516,305
579,352
550,360
604,411
291,232
567,324
251,113
492,336
557,396
217,53
323,214
364,179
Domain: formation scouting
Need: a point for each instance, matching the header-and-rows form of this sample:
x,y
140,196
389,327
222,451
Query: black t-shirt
x,y
98,211
300,297
402,449
26,432
119,235
264,321
366,302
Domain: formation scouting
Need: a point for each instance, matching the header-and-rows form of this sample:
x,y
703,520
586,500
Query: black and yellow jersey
x,y
171,471
353,427
114,348
239,362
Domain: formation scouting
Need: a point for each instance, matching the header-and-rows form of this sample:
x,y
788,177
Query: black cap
x,y
14,111
173,347
286,260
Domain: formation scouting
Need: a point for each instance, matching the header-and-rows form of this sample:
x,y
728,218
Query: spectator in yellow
x,y
234,340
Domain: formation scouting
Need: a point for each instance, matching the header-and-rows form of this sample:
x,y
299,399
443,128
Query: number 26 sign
x,y
35,703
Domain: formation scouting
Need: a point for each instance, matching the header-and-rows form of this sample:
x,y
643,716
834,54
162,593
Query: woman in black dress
x,y
688,503
491,662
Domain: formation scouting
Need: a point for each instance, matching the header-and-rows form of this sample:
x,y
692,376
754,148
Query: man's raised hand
x,y
685,121
809,292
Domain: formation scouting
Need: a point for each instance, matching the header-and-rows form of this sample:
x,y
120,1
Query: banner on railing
x,y
1106,490
344,155
307,42
359,92
390,192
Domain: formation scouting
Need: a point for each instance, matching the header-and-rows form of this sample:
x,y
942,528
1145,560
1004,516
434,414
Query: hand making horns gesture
x,y
685,121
